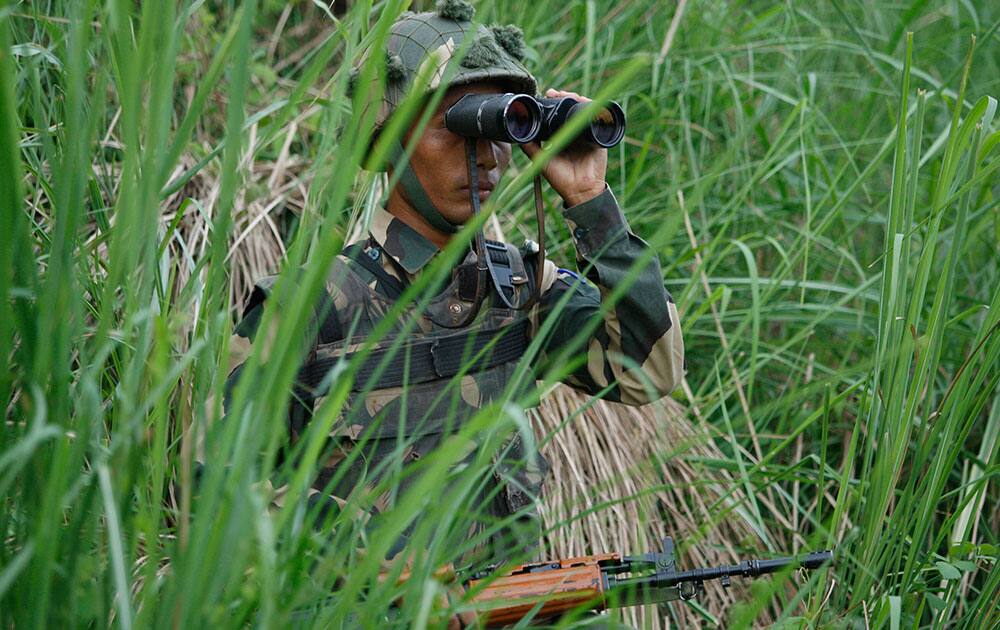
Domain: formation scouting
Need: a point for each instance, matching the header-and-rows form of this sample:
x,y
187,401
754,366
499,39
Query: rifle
x,y
550,589
604,581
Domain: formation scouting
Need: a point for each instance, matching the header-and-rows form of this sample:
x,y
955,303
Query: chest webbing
x,y
419,360
425,360
500,267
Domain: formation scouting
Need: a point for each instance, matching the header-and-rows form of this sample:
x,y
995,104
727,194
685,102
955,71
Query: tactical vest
x,y
437,376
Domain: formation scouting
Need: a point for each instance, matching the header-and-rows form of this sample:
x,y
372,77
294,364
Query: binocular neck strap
x,y
416,194
484,261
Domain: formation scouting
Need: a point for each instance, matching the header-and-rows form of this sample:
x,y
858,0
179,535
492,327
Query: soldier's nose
x,y
487,154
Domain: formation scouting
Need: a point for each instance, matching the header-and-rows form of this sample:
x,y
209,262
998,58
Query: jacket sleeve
x,y
247,334
620,318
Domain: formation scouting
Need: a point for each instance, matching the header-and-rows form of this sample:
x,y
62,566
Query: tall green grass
x,y
821,188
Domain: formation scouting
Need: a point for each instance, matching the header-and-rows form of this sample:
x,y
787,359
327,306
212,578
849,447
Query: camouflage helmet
x,y
429,45
421,43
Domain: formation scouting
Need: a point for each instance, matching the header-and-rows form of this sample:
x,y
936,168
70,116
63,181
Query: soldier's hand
x,y
452,594
577,174
465,619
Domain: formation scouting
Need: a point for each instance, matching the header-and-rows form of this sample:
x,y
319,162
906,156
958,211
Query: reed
x,y
820,182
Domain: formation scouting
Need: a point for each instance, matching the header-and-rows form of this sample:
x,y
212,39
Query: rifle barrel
x,y
659,587
748,568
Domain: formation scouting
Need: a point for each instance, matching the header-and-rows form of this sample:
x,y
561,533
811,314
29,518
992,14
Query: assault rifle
x,y
548,590
607,581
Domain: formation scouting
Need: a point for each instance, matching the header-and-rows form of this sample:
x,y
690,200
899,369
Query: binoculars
x,y
519,118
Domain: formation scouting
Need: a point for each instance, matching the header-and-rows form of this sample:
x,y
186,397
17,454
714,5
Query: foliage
x,y
821,188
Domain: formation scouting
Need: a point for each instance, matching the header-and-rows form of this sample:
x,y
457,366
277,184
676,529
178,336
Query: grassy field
x,y
821,181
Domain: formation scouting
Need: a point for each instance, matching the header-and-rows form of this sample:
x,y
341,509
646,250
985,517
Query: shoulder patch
x,y
566,274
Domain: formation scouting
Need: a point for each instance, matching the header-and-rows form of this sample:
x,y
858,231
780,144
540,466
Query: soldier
x,y
464,346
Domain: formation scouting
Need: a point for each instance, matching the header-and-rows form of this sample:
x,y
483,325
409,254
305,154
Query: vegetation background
x,y
822,189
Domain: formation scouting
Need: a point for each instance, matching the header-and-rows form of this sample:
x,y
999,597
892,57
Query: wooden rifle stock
x,y
557,587
546,590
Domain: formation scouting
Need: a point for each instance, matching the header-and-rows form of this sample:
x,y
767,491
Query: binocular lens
x,y
607,129
514,118
520,121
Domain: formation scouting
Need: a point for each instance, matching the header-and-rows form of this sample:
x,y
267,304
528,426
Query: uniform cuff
x,y
596,222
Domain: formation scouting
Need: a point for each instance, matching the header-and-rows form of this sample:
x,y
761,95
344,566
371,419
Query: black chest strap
x,y
368,258
330,329
427,359
500,268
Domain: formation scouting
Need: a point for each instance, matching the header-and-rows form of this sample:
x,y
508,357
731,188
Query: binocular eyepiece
x,y
519,118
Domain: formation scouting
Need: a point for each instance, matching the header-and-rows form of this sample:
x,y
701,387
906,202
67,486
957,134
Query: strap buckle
x,y
499,265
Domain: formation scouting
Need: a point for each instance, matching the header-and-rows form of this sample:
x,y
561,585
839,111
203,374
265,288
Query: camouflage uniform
x,y
641,330
634,354
642,327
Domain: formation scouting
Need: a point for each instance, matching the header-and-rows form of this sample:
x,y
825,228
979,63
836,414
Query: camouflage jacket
x,y
638,348
633,352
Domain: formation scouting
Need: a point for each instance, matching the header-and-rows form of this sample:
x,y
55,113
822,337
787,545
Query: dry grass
x,y
612,455
272,187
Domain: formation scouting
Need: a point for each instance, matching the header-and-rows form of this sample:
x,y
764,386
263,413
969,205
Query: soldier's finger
x,y
469,619
551,93
462,619
531,149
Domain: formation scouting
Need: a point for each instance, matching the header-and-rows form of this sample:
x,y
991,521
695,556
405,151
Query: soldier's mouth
x,y
484,191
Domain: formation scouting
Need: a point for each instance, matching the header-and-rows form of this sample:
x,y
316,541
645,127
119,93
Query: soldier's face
x,y
440,164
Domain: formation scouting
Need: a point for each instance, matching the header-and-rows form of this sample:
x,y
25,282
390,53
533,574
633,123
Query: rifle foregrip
x,y
813,560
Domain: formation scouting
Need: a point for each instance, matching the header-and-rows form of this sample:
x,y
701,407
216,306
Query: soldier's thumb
x,y
531,149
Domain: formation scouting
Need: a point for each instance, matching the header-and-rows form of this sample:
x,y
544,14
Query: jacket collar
x,y
406,246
